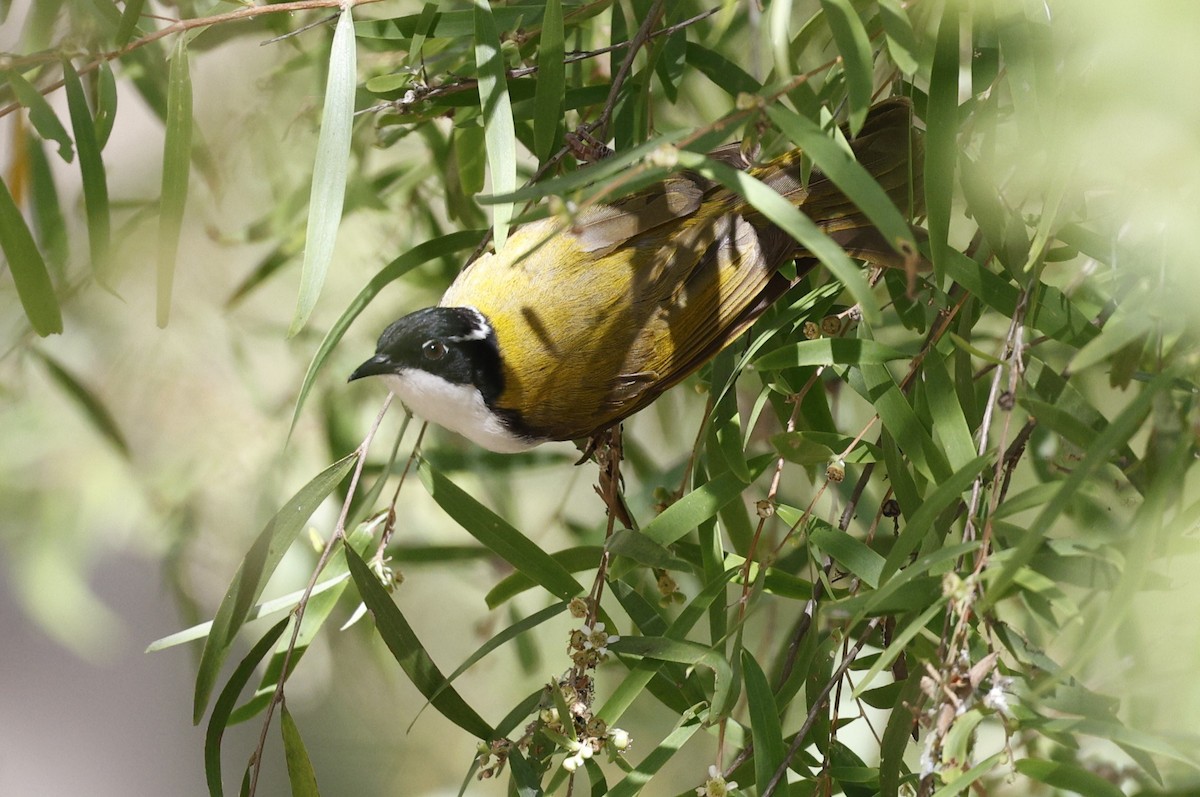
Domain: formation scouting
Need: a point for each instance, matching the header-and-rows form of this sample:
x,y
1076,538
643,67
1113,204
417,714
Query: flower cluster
x,y
589,645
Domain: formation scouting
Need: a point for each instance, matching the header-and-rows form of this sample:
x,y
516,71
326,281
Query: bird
x,y
568,329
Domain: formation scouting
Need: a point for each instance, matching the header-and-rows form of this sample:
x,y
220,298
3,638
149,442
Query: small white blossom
x,y
598,639
620,739
716,785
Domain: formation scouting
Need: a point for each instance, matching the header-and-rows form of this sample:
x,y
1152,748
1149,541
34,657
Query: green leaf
x,y
876,385
769,750
329,170
499,131
855,48
32,280
418,255
129,21
106,103
91,404
896,735
636,546
941,137
791,220
227,700
921,522
41,115
700,504
828,351
551,82
400,639
257,566
494,532
301,776
91,168
177,151
642,673
265,609
508,634
846,173
1068,776
46,216
946,414
1116,434
852,554
573,560
897,646
663,752
901,40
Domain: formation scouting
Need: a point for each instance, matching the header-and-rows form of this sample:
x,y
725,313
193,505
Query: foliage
x,y
919,510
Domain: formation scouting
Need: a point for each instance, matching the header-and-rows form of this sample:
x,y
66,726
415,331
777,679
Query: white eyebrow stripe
x,y
482,328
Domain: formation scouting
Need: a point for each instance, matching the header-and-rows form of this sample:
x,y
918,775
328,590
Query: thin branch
x,y
819,701
252,12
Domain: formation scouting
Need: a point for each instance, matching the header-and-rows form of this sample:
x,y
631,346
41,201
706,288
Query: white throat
x,y
459,408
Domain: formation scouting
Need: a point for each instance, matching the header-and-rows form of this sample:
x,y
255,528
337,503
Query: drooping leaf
x,y
226,701
499,130
91,167
175,171
257,566
301,776
41,115
551,83
330,169
855,48
28,269
400,639
490,529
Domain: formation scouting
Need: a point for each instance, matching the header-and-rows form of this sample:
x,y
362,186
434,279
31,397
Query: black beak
x,y
379,364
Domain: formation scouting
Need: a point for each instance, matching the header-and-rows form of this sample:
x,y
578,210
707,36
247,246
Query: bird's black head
x,y
456,344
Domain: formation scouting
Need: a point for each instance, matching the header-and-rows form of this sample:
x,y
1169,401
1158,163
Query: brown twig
x,y
183,25
819,701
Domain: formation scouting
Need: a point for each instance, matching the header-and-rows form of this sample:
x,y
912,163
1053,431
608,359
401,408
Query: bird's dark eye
x,y
433,349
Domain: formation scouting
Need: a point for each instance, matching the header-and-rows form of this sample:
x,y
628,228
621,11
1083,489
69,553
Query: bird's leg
x,y
585,147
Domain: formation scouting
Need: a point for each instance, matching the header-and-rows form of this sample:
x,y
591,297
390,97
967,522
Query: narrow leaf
x,y
257,566
663,752
551,83
493,531
91,168
850,553
329,170
700,504
828,351
499,130
106,103
129,21
400,639
921,522
512,632
91,404
1097,455
34,288
177,151
41,115
301,776
788,218
901,40
846,173
941,139
227,700
855,47
769,750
